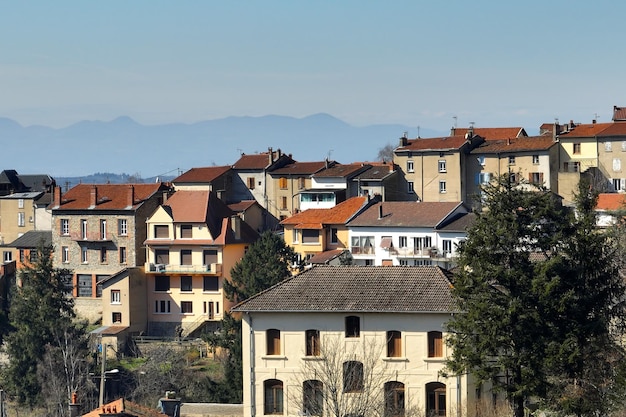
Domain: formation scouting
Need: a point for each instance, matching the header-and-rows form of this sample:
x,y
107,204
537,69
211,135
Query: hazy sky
x,y
495,63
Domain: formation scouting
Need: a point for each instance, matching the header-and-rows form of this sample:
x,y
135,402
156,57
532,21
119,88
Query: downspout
x,y
252,366
422,168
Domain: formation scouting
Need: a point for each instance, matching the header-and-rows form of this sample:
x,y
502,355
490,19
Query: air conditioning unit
x,y
160,267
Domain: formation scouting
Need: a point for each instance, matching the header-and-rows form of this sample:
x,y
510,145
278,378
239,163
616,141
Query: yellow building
x,y
284,185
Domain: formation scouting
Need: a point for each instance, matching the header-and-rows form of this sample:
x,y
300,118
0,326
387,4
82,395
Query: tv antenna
x,y
455,119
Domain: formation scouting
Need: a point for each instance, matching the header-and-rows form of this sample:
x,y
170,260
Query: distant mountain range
x,y
124,146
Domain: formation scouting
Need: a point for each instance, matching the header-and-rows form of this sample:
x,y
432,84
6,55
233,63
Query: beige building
x,y
378,331
193,241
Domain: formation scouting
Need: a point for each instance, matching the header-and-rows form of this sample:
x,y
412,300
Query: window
x,y
273,341
571,166
447,246
22,258
312,342
211,284
422,262
162,306
402,241
421,243
312,397
394,344
186,231
435,399
273,397
409,166
535,178
513,178
363,244
283,203
442,187
103,229
333,236
162,256
84,285
608,146
576,148
410,187
403,262
310,236
352,376
369,262
116,297
161,283
116,317
122,253
122,227
83,229
21,219
209,256
161,231
624,146
250,181
394,399
536,159
617,165
186,283
442,165
65,254
353,326
7,256
65,227
103,255
186,307
282,183
435,346
301,183
33,255
483,177
512,160
185,257
481,160
84,254
20,203
619,184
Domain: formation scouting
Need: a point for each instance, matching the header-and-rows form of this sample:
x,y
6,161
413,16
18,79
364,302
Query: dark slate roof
x,y
459,223
383,289
32,239
405,214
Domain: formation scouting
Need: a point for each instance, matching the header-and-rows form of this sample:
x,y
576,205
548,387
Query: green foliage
x,y
37,310
266,263
537,293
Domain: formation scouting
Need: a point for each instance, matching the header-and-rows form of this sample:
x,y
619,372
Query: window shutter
x,y
617,164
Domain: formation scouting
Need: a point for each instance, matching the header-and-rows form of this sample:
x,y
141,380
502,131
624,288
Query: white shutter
x,y
617,164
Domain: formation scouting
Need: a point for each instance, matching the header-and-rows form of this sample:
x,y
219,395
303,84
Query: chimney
x,y
235,224
556,129
57,196
131,196
380,211
403,140
278,153
452,131
593,122
164,197
271,155
93,198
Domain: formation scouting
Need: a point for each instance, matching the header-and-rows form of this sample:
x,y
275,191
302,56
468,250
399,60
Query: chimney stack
x,y
131,196
271,155
235,224
93,198
57,196
380,211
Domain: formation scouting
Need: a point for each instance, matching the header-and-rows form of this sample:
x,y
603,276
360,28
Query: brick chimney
x,y
93,197
131,196
57,196
270,152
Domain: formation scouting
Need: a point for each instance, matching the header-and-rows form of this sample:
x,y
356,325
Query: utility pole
x,y
103,347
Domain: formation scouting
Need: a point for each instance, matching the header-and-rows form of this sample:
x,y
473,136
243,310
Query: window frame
x,y
535,159
435,344
122,227
312,342
576,148
410,166
442,166
123,255
162,283
443,187
207,279
186,283
65,254
273,397
353,377
272,342
116,297
352,327
65,227
186,307
394,344
313,397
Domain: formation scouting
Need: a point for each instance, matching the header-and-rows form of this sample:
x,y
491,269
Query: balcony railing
x,y
190,269
362,250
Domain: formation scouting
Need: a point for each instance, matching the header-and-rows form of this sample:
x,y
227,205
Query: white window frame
x,y
608,146
7,256
410,166
446,245
410,187
83,229
65,227
442,166
443,187
21,219
116,297
20,203
84,254
122,226
65,253
103,229
535,159
402,241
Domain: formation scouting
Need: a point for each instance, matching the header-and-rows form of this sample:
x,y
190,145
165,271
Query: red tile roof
x,y
493,133
611,201
107,196
189,206
439,144
404,214
254,161
326,256
619,113
585,130
536,143
300,168
339,214
615,129
242,205
202,175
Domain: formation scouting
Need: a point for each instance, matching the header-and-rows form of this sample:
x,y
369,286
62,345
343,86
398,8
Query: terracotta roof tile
x,y
189,206
339,214
493,133
326,256
242,205
108,196
253,161
451,142
404,214
300,168
585,130
619,113
611,201
536,143
202,175
376,289
615,129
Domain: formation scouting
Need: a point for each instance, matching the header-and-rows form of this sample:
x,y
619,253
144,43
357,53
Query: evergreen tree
x,y
37,309
266,263
533,284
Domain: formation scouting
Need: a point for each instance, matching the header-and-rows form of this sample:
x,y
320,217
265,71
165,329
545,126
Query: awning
x,y
386,243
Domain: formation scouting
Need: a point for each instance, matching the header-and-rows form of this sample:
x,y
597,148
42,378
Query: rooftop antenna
x,y
455,118
418,132
330,151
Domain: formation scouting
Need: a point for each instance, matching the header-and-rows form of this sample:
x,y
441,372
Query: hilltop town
x,y
150,259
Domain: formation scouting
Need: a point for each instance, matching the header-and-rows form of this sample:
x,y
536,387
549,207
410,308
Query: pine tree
x,y
37,309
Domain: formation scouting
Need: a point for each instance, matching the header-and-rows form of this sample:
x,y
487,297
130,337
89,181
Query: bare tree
x,y
348,379
385,153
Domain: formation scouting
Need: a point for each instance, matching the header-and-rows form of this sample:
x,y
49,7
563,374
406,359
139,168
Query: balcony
x,y
360,250
213,269
89,237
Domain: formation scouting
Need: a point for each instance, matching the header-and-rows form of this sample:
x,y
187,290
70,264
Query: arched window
x,y
394,344
352,376
435,399
273,341
435,344
312,342
273,389
353,326
313,398
394,399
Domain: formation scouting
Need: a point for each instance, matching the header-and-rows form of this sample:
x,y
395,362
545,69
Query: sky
x,y
431,64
